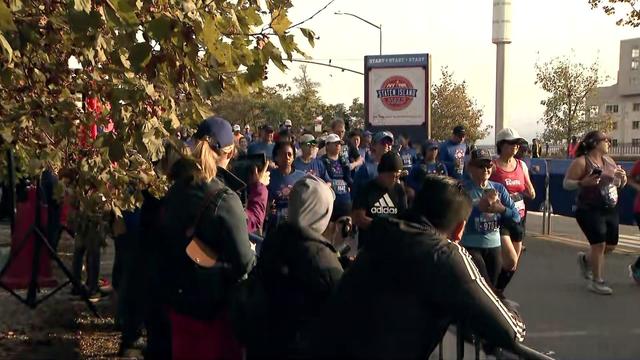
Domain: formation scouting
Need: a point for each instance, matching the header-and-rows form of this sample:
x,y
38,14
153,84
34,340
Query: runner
x,y
491,205
339,175
452,152
597,178
382,143
428,165
282,179
513,174
307,162
264,144
382,196
407,152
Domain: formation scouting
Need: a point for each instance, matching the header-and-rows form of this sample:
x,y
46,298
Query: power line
x,y
327,65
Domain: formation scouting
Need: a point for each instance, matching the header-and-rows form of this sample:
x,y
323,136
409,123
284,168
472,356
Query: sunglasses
x,y
483,165
310,143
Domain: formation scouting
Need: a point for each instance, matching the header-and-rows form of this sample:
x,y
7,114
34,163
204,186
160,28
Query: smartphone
x,y
597,172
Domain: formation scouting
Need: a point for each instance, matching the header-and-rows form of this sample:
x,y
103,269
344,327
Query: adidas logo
x,y
384,206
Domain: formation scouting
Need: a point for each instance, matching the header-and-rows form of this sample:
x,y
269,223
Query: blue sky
x,y
457,34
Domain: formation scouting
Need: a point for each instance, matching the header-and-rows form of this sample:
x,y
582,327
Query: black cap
x,y
390,162
479,155
459,130
268,128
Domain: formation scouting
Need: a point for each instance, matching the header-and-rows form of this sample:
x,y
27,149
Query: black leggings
x,y
599,225
488,261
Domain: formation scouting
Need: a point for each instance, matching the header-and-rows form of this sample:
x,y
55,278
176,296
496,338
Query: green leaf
x,y
279,22
139,56
125,10
6,20
160,28
82,5
310,35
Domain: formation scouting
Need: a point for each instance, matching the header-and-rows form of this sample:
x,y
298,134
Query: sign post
x,y
397,94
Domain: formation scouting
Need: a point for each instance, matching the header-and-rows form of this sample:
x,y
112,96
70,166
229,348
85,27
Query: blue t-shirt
x,y
452,155
261,147
408,156
340,177
314,167
420,170
279,188
365,173
483,229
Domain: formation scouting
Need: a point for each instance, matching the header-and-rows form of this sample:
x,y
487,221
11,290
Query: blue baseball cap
x,y
218,129
381,135
431,144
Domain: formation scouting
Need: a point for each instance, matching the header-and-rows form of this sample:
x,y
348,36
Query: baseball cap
x,y
431,144
459,130
390,162
288,123
480,155
333,138
509,134
236,127
308,139
367,133
380,135
268,128
218,129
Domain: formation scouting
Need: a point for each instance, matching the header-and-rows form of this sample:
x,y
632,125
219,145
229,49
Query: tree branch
x,y
312,16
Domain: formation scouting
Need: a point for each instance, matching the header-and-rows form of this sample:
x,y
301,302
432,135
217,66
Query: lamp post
x,y
501,37
379,27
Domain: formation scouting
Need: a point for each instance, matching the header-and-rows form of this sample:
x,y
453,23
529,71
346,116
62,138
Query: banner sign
x,y
397,94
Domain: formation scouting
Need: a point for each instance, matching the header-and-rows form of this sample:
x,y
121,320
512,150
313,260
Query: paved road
x,y
562,317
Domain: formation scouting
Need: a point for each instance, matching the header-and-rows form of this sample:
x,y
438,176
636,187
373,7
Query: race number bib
x,y
339,186
521,207
486,223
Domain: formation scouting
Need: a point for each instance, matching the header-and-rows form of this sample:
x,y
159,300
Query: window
x,y
611,108
635,52
636,107
614,142
635,64
593,110
635,125
635,142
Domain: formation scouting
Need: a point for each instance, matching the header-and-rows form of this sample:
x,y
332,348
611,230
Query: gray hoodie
x,y
311,204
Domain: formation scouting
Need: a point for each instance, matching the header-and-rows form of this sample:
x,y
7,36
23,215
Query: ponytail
x,y
206,159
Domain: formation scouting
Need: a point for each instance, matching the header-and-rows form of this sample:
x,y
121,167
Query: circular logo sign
x,y
397,93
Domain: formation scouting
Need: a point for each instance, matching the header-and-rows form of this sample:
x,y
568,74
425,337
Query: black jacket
x,y
189,288
398,298
299,270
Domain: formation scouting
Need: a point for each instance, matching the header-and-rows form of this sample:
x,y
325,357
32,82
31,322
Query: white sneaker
x,y
585,271
599,287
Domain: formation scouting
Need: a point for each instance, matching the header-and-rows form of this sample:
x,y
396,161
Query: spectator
x,y
383,196
248,134
264,144
400,299
572,148
513,174
217,132
429,165
296,298
598,179
536,149
307,162
452,152
340,177
382,143
491,206
287,125
243,145
282,179
237,134
365,145
353,146
407,153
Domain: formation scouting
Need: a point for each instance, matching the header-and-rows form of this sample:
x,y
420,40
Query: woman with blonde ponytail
x,y
205,248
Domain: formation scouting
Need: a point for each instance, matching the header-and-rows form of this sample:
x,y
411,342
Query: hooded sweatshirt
x,y
311,204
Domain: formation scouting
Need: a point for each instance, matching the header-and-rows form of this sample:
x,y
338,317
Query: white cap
x,y
333,138
236,127
288,123
508,134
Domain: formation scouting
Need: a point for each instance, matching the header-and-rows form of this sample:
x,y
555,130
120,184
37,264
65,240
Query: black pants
x,y
488,261
93,265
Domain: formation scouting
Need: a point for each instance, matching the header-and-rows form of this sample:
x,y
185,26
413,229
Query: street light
x,y
379,27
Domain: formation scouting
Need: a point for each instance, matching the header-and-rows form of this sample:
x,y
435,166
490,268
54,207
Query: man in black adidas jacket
x,y
410,283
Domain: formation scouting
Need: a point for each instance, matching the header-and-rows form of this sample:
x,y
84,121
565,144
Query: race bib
x,y
486,223
521,207
339,186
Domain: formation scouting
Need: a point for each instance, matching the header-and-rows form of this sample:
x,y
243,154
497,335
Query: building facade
x,y
622,100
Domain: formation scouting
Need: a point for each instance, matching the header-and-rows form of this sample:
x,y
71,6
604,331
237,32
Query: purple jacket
x,y
256,206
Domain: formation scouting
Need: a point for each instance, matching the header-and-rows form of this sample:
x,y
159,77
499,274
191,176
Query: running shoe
x,y
634,273
585,271
599,287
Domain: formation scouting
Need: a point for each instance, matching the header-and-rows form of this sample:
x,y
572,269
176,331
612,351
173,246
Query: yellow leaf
x,y
279,22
